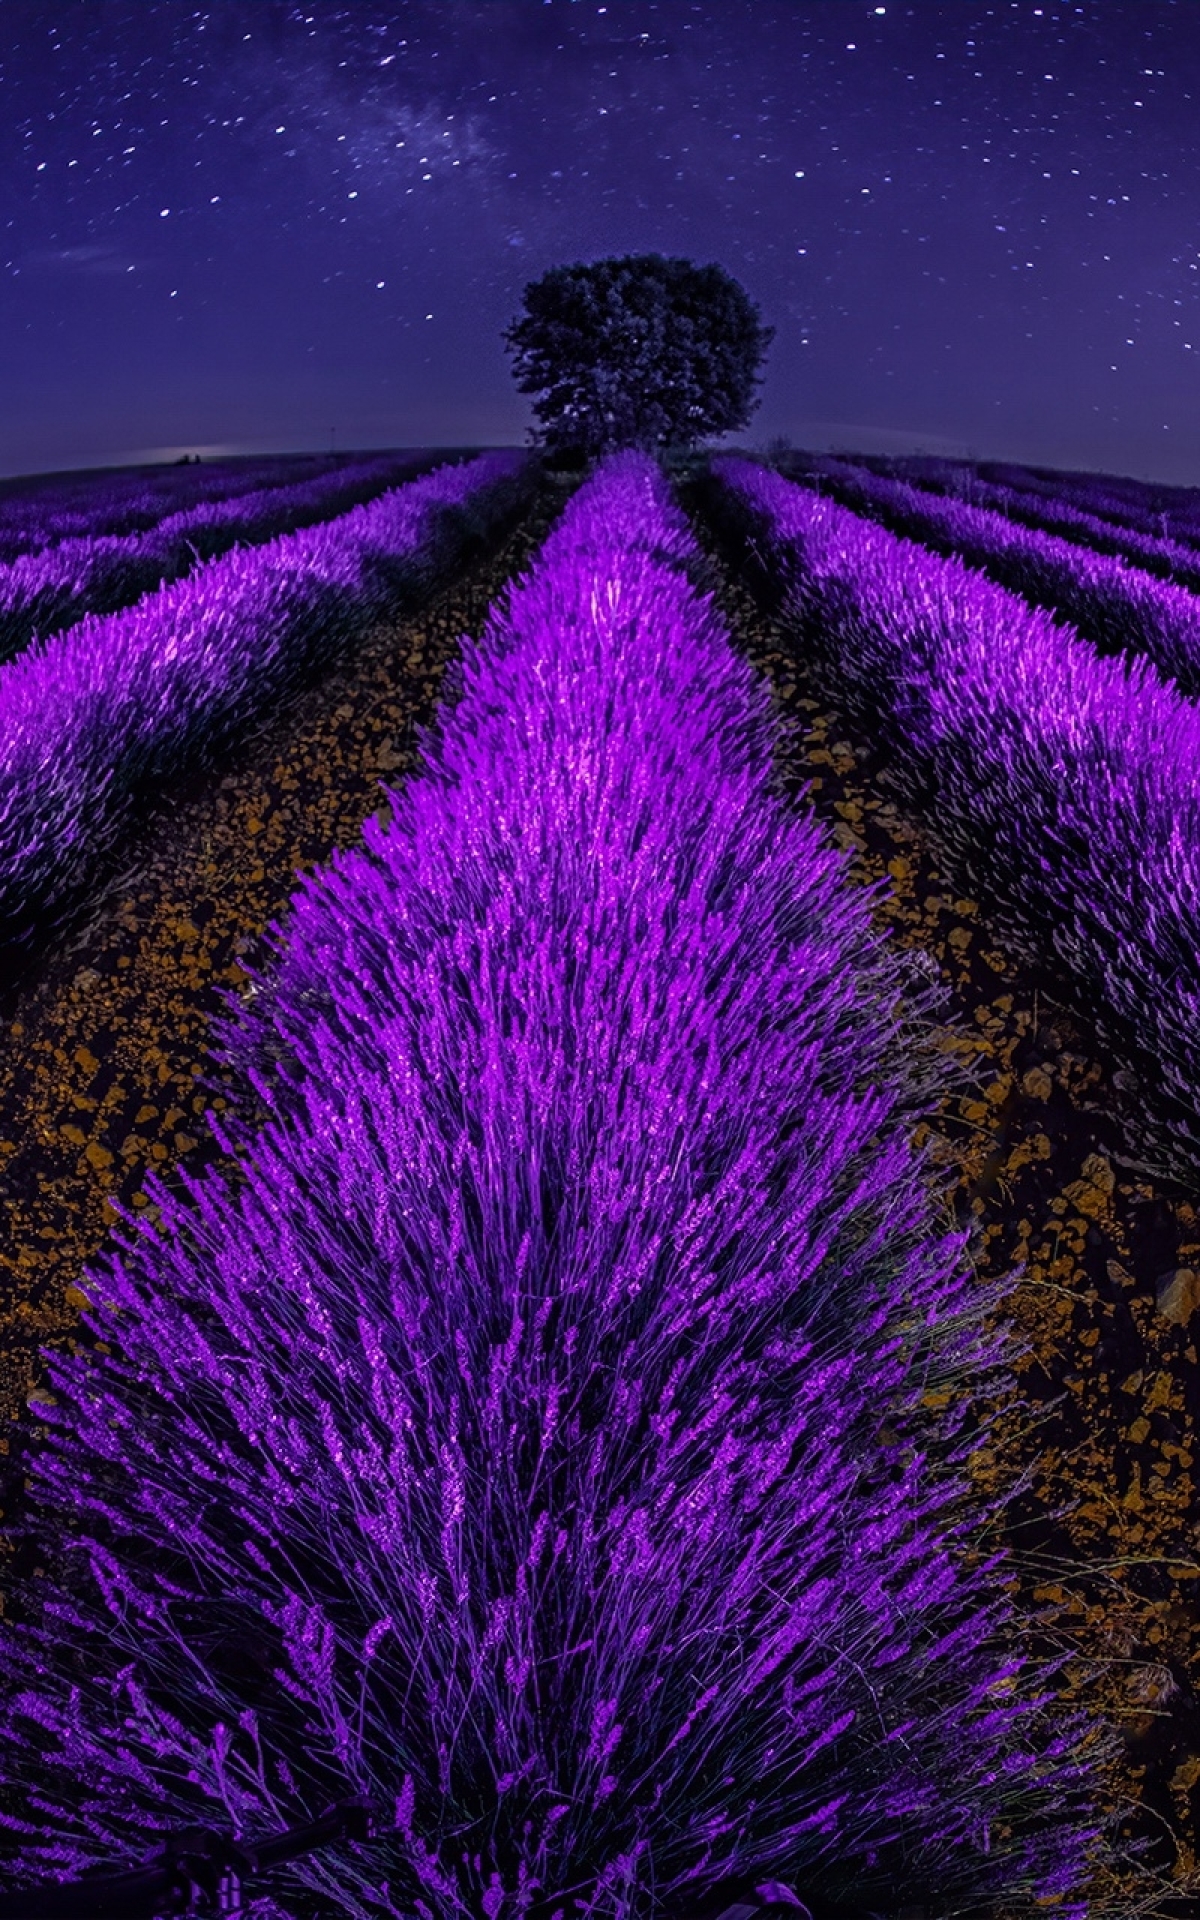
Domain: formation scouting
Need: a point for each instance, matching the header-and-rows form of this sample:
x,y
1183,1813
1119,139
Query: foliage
x,y
561,1437
639,351
1057,784
96,721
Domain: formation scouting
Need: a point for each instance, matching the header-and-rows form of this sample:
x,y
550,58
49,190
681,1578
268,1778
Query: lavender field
x,y
599,1135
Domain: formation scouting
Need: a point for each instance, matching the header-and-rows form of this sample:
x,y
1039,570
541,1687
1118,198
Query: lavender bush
x,y
48,591
1061,789
40,510
1117,606
1121,500
1147,506
95,722
1046,512
545,1439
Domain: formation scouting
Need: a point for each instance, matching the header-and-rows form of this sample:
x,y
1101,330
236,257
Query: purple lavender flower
x,y
542,1438
1059,787
97,720
49,590
1110,597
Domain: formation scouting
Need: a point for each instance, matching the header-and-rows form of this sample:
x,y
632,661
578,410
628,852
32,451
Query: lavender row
x,y
518,1425
1151,508
43,593
1118,607
1135,506
1045,512
96,722
1146,506
1061,789
40,511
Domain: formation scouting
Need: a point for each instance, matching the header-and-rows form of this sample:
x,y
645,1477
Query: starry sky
x,y
255,226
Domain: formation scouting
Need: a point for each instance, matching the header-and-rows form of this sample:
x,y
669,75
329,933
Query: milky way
x,y
260,226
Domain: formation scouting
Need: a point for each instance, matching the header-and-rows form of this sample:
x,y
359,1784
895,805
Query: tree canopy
x,y
637,351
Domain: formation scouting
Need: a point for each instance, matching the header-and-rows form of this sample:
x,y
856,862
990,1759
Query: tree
x,y
637,351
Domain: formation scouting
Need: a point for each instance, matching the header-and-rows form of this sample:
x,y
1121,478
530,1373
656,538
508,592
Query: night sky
x,y
261,227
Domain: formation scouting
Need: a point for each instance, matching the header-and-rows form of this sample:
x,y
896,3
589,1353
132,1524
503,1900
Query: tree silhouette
x,y
637,351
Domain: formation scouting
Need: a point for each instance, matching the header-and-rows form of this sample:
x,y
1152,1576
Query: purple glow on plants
x,y
1158,541
96,720
41,511
1061,788
1111,599
544,1439
46,591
